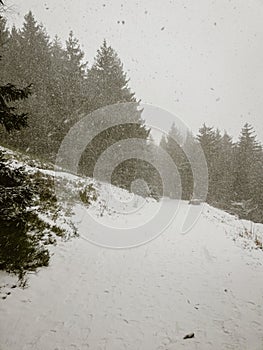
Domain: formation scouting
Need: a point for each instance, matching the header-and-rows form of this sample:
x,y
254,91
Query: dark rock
x,y
189,336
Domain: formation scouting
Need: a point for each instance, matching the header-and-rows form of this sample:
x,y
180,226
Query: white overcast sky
x,y
200,60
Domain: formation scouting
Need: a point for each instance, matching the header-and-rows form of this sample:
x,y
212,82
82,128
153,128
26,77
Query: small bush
x,y
88,195
44,187
58,231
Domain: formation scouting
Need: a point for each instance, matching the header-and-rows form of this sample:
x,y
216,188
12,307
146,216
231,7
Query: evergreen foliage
x,y
107,85
53,83
249,174
173,145
19,248
58,79
235,171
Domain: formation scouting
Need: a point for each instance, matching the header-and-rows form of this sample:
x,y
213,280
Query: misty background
x,y
202,61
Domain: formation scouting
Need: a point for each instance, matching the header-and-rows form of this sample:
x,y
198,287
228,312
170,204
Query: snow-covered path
x,y
143,298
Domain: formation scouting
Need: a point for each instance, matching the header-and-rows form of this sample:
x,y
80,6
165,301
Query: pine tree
x,y
249,173
163,142
75,77
10,119
57,77
172,144
67,87
27,61
10,70
58,85
34,53
18,250
189,147
224,163
107,84
209,140
75,56
164,164
4,34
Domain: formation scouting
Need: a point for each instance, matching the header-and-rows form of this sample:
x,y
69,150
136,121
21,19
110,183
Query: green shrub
x,y
20,249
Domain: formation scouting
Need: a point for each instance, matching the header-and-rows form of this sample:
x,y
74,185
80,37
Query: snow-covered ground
x,y
208,282
145,298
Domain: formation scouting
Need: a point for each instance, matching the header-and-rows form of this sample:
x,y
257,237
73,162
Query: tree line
x,y
63,89
63,86
235,169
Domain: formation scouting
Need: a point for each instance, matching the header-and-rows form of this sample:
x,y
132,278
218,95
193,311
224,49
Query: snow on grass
x,y
246,233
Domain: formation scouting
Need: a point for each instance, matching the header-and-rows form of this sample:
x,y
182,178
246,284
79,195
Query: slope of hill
x,y
208,281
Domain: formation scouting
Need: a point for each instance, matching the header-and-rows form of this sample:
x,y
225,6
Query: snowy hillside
x,y
208,282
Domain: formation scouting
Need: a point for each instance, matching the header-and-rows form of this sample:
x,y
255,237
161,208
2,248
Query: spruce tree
x,y
224,186
4,34
108,84
190,149
209,140
75,77
67,87
10,118
19,250
27,61
163,142
173,147
249,173
173,144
